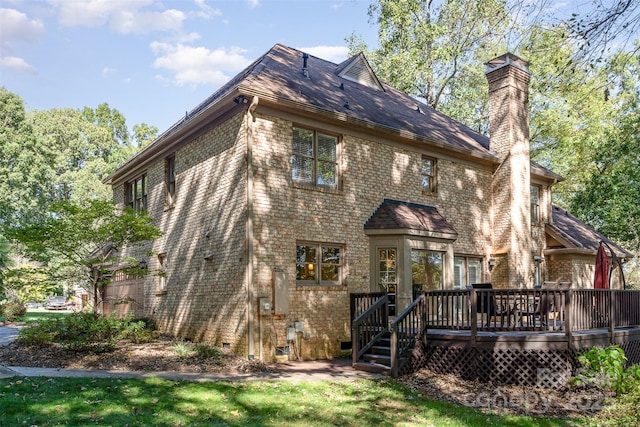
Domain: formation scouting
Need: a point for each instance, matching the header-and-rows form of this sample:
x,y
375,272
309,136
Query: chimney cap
x,y
507,59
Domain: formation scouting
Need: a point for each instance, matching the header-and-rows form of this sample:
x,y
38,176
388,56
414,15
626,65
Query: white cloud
x,y
191,65
253,3
123,16
17,27
107,71
335,54
18,64
127,22
206,11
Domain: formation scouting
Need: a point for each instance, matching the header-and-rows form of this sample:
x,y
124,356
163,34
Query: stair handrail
x,y
413,323
369,327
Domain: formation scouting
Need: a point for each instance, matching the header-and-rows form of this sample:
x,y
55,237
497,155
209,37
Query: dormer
x,y
358,70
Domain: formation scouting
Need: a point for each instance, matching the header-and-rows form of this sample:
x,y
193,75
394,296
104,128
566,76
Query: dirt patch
x,y
569,402
155,356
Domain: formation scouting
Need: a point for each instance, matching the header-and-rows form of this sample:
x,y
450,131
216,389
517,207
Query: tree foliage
x,y
25,171
434,51
86,239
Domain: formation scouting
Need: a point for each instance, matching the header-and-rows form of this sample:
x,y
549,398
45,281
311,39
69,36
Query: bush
x,y
13,311
83,332
602,367
208,352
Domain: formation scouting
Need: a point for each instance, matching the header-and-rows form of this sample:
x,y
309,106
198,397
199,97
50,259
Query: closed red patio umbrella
x,y
601,280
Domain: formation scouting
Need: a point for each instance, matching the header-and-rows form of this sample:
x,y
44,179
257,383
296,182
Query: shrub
x,y
182,348
208,352
82,331
602,367
13,311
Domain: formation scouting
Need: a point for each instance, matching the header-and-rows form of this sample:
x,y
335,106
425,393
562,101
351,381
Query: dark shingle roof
x,y
395,214
279,74
580,234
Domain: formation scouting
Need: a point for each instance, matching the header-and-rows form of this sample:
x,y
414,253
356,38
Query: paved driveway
x,y
8,334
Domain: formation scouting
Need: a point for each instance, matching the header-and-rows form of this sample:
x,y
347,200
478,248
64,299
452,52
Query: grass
x,y
157,402
37,314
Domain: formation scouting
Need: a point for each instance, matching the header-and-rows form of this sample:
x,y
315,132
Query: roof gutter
x,y
181,131
322,114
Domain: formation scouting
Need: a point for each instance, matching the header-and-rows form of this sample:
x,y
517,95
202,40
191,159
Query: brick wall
x,y
286,213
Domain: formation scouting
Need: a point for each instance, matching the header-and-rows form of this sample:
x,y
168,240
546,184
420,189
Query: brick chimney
x,y
508,78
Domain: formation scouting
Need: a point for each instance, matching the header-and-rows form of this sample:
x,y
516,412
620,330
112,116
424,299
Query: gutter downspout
x,y
249,225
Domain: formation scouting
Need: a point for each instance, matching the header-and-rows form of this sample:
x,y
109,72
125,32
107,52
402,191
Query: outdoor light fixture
x,y
492,263
143,264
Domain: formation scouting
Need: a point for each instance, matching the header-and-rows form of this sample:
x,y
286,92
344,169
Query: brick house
x,y
301,181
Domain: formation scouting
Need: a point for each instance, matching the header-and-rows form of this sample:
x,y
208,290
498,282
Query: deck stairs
x,y
378,358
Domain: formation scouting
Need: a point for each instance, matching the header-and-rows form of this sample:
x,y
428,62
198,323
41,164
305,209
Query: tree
x,y
436,53
25,172
29,283
89,239
604,26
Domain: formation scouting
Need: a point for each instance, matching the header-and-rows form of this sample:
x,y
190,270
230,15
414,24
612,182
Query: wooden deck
x,y
509,336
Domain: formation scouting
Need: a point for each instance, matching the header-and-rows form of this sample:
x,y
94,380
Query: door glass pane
x,y
458,273
475,270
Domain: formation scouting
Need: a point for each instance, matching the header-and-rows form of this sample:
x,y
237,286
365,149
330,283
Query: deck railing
x,y
504,310
369,326
406,330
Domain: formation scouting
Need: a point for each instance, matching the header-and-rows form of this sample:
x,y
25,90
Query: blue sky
x,y
155,59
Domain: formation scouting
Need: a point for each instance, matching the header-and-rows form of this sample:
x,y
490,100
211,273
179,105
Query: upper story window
x,y
136,193
169,181
319,263
535,204
428,171
315,158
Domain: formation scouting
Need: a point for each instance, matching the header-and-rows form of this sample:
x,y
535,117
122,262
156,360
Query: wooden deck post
x,y
612,320
569,313
473,298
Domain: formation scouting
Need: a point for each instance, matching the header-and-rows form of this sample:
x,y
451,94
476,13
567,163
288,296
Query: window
x,y
170,181
535,204
315,158
466,271
136,192
319,263
429,184
426,269
162,272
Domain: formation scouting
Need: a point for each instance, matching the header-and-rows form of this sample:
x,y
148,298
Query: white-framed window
x,y
162,272
136,193
314,159
535,204
319,263
170,181
466,271
428,175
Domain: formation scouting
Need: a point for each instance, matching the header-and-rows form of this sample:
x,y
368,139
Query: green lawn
x,y
35,314
156,402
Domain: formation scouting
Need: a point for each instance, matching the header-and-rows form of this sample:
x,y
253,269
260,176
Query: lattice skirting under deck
x,y
532,368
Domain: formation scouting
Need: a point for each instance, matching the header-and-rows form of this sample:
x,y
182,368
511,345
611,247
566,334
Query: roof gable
x,y
358,70
575,234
